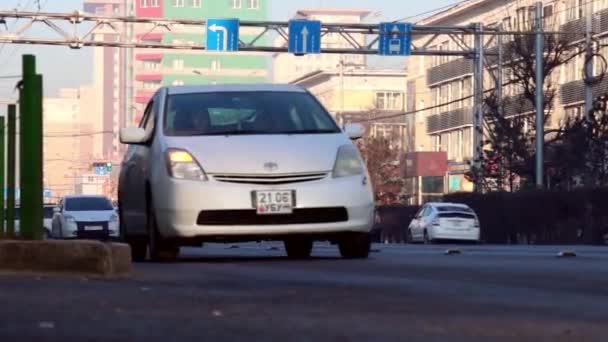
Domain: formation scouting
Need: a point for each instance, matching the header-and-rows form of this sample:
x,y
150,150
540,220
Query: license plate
x,y
274,202
93,228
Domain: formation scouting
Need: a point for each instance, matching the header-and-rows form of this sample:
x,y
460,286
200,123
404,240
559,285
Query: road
x,y
402,293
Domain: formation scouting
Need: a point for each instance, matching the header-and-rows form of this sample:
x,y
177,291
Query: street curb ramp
x,y
109,260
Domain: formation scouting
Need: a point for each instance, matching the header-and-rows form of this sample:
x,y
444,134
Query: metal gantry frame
x,y
77,29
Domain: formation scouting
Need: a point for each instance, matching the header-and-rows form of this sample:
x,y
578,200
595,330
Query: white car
x,y
47,220
239,163
444,221
85,217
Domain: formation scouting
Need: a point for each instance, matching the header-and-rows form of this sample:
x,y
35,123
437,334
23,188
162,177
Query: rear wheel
x,y
298,248
159,249
355,246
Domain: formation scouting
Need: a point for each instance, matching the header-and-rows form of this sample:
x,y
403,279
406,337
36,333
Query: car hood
x,y
248,154
91,216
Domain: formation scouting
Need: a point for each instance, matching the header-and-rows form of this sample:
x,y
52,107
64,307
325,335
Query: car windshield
x,y
88,204
244,113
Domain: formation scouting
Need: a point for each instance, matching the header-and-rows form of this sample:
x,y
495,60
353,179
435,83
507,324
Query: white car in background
x,y
444,221
85,217
237,163
46,222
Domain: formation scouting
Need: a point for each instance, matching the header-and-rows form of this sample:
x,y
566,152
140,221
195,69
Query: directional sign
x,y
304,36
395,39
223,34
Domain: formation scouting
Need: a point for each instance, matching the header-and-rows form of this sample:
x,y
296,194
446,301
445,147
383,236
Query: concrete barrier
x,y
80,256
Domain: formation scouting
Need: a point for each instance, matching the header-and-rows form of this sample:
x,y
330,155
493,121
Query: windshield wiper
x,y
309,131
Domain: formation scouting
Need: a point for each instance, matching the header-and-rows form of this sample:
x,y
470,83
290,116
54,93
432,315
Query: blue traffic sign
x,y
304,36
395,39
223,34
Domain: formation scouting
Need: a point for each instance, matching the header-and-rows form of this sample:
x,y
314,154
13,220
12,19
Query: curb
x,y
81,257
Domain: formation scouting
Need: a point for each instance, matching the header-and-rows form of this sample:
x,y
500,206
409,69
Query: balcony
x,y
449,120
152,77
143,96
149,56
447,71
600,23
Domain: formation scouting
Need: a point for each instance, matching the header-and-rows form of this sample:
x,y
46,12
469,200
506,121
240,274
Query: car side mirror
x,y
133,135
354,130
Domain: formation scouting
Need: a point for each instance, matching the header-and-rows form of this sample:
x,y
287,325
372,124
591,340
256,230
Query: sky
x,y
65,68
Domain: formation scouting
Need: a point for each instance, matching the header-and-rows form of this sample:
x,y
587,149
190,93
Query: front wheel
x,y
159,249
298,248
355,246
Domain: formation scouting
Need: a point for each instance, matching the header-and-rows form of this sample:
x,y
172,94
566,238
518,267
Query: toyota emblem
x,y
270,166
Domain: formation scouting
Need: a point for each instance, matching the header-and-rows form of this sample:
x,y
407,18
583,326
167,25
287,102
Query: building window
x,y
143,3
389,101
178,3
178,64
216,65
467,143
253,4
197,3
178,83
236,4
154,3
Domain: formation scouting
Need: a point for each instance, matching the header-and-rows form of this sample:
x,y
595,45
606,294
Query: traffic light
x,y
102,168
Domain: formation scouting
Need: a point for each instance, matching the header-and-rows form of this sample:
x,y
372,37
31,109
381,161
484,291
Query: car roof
x,y
84,196
266,87
447,204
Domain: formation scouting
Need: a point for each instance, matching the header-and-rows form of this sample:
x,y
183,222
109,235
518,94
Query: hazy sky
x,y
63,67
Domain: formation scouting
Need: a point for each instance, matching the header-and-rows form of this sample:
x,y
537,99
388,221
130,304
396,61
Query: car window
x,y
87,204
427,212
48,212
228,113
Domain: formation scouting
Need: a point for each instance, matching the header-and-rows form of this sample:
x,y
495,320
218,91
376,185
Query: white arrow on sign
x,y
395,31
214,28
304,33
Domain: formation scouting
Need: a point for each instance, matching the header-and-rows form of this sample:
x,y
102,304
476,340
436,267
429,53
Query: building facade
x,y
288,67
439,82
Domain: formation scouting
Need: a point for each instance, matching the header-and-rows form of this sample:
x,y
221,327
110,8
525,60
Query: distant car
x,y
444,221
85,217
242,163
46,223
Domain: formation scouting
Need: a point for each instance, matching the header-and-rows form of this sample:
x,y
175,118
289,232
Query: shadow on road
x,y
224,259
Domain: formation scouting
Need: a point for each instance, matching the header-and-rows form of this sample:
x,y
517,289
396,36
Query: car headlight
x,y
348,162
70,220
182,165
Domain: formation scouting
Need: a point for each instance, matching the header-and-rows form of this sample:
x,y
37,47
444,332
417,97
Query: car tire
x,y
160,250
410,237
355,246
298,248
46,235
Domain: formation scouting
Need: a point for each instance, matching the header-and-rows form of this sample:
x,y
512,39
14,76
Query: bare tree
x,y
510,145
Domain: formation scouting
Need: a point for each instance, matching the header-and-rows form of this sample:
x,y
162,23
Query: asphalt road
x,y
402,293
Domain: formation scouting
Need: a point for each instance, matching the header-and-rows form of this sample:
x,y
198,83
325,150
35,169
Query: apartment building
x,y
438,80
156,68
125,79
288,67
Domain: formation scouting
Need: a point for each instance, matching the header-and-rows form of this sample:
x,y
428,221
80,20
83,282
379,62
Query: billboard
x,y
426,164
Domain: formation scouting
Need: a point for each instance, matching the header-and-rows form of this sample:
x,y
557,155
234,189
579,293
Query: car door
x,y
133,177
426,219
415,225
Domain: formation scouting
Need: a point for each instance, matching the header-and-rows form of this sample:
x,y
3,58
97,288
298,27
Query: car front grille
x,y
81,233
269,179
250,217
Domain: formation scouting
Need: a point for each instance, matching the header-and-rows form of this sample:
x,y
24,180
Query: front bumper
x,y
179,203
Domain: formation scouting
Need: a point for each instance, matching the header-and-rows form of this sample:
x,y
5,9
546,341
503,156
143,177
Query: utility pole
x,y
540,96
2,161
341,86
30,147
478,105
11,150
588,59
499,95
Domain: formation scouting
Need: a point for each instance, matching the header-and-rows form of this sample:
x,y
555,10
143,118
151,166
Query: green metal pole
x,y
2,185
30,159
10,171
